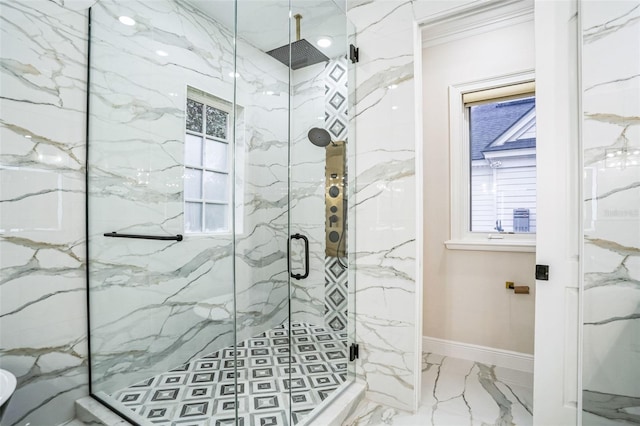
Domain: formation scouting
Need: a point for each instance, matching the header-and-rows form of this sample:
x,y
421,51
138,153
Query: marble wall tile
x,y
611,143
42,253
384,208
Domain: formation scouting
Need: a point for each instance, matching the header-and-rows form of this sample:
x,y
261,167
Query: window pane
x,y
193,184
216,155
193,217
503,166
216,122
193,150
215,186
194,116
215,217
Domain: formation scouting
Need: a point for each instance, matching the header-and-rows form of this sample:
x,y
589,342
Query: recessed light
x,y
126,20
161,53
324,42
394,107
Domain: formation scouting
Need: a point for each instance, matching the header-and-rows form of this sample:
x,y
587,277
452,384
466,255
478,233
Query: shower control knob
x,y
334,236
333,209
334,191
333,218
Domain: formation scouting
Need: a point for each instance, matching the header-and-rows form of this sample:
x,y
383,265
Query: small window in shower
x,y
207,179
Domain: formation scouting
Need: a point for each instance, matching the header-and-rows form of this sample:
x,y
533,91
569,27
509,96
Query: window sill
x,y
492,245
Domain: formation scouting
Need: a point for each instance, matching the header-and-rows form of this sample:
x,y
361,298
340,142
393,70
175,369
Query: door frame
x,y
557,396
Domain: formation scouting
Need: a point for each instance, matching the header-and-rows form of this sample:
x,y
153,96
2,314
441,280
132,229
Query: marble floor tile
x,y
459,392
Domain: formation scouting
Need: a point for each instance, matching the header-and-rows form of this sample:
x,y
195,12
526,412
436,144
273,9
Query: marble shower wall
x,y
43,50
383,207
157,304
611,143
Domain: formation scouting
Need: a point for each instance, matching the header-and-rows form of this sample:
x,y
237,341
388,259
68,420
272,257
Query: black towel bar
x,y
145,237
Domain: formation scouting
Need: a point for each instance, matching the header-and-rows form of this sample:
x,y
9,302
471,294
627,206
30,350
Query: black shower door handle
x,y
306,257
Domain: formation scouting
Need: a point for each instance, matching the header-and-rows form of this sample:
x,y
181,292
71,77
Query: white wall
x,y
465,299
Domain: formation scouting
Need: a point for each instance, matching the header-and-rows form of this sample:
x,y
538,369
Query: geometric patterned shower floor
x,y
202,392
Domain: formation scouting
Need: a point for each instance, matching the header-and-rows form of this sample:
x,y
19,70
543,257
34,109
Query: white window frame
x,y
213,101
461,237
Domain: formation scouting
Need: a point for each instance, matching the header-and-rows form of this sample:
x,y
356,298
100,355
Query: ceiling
x,y
265,24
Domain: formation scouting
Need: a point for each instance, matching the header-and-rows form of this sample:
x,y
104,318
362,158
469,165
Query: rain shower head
x,y
303,53
319,137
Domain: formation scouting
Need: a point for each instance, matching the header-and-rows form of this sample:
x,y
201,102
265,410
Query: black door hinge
x,y
354,54
354,352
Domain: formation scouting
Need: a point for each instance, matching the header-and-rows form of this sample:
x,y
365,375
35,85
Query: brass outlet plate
x,y
334,196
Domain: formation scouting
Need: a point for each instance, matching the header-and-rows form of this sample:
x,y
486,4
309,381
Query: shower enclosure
x,y
218,233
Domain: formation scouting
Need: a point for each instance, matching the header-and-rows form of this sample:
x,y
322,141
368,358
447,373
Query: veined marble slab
x,y
43,341
384,204
611,141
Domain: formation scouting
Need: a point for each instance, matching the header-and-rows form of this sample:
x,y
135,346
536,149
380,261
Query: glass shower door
x,y
262,204
291,234
319,214
160,208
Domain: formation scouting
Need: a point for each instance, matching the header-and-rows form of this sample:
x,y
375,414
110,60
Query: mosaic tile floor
x,y
202,392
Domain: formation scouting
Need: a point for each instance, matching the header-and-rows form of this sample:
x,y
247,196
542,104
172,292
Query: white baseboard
x,y
498,357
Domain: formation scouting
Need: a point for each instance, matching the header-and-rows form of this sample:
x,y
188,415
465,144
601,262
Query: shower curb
x,y
340,408
91,412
